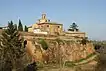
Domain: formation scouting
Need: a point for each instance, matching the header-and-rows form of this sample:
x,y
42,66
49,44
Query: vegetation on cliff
x,y
43,44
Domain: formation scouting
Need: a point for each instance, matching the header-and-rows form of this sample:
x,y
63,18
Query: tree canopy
x,y
73,27
11,46
26,29
15,25
20,26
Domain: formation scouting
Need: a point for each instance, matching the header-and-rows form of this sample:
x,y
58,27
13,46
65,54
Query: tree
x,y
26,29
84,41
15,25
20,27
73,27
11,47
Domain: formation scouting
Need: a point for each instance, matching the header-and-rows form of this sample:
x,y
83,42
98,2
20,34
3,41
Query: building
x,y
3,27
45,26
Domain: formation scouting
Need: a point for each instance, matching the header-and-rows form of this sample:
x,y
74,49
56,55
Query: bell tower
x,y
43,19
43,16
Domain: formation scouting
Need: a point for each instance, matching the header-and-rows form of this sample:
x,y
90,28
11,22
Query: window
x,y
58,26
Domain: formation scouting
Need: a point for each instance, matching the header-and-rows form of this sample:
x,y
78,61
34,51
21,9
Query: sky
x,y
89,15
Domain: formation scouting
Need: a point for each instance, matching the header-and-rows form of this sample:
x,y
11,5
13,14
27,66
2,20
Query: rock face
x,y
59,51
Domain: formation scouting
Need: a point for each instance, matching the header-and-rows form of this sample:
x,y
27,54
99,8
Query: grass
x,y
72,63
69,64
85,58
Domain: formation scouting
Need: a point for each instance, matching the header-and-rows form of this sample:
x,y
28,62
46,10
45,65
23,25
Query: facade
x,y
45,25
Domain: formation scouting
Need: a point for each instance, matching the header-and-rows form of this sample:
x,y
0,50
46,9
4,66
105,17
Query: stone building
x,y
45,26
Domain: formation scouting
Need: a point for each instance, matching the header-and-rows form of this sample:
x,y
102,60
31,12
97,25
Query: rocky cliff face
x,y
59,50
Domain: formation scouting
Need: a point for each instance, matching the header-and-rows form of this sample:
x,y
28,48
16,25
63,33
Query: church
x,y
45,26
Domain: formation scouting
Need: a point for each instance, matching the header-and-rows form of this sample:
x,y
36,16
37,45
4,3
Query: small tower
x,y
43,16
43,19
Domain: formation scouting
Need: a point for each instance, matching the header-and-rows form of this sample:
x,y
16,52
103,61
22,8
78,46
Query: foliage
x,y
15,25
11,46
69,64
26,29
20,26
73,27
84,41
39,64
101,43
90,55
99,46
31,67
72,63
44,44
101,65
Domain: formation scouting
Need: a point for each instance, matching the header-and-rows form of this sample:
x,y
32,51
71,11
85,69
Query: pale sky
x,y
89,15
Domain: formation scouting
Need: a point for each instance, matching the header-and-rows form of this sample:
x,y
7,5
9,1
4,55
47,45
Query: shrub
x,y
43,44
84,41
31,67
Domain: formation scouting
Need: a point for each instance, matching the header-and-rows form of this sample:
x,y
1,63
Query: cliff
x,y
58,50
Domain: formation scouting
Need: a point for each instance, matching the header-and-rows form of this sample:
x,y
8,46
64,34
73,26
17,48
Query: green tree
x,y
11,47
26,28
73,27
20,26
15,25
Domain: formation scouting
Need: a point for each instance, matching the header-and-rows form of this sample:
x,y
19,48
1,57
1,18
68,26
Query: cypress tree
x,y
26,29
15,25
11,47
20,26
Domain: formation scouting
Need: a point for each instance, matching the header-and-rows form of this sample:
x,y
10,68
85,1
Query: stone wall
x,y
75,34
